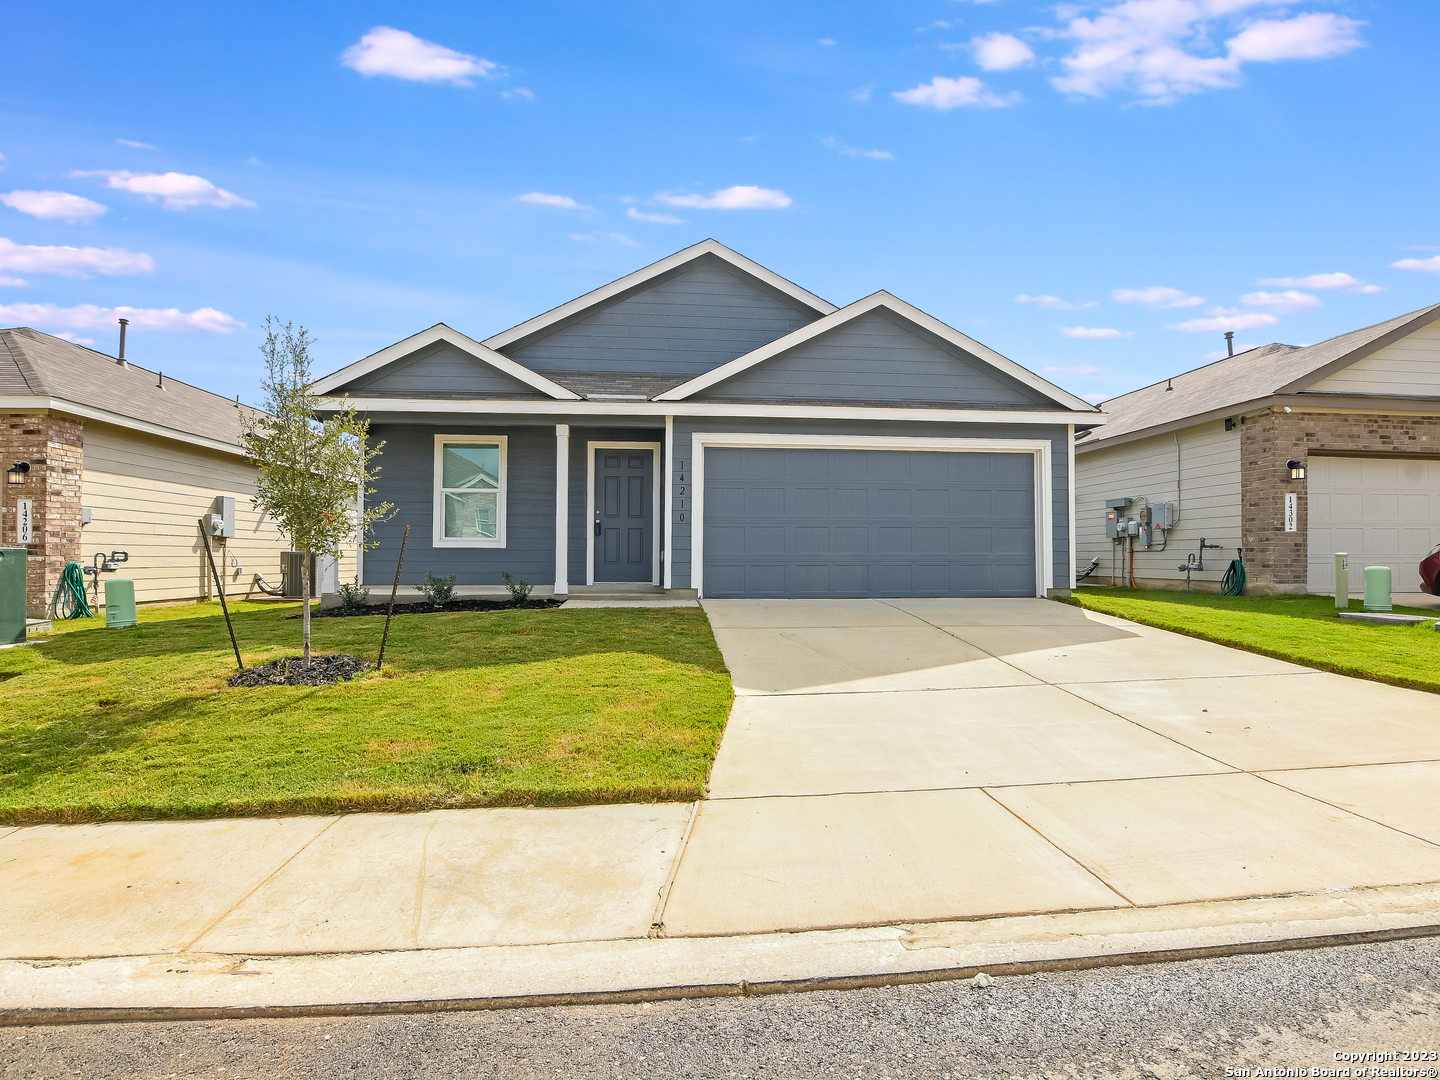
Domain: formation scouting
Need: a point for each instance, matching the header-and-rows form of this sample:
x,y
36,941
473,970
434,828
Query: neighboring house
x,y
704,424
1360,414
123,459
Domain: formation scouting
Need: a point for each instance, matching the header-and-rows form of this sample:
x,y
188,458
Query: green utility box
x,y
119,603
1377,588
13,562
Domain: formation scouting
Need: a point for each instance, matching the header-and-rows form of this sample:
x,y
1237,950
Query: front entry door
x,y
624,515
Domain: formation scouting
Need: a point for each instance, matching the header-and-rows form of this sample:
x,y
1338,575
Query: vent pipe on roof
x,y
121,358
1230,342
1169,384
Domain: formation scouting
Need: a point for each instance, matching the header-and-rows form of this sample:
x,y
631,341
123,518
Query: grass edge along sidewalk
x,y
1302,629
547,707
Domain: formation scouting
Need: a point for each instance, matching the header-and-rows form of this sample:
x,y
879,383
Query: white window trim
x,y
1040,449
657,469
438,538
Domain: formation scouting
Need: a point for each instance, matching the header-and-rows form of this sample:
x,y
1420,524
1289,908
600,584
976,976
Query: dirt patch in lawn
x,y
293,671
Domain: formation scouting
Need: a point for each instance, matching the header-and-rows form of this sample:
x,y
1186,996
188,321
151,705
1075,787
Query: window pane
x,y
471,465
471,515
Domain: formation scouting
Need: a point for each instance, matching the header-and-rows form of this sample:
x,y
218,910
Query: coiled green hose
x,y
1233,583
69,599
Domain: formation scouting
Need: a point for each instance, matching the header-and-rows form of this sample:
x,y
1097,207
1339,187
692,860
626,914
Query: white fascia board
x,y
881,299
654,270
441,332
120,420
660,410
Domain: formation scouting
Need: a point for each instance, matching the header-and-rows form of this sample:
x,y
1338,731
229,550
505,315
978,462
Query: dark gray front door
x,y
624,522
853,523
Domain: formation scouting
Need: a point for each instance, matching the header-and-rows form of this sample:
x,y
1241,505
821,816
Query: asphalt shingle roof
x,y
1248,376
40,365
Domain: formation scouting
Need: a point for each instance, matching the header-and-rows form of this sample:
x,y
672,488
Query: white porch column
x,y
562,509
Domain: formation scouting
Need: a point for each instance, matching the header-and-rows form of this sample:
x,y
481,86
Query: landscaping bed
x,y
1302,629
423,607
294,671
472,708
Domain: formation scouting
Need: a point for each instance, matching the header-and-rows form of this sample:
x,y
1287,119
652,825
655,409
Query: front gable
x,y
1409,367
442,370
684,322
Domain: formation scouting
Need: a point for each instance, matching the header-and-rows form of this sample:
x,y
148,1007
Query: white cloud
x,y
560,202
1221,354
1054,302
601,238
1160,49
1095,399
740,197
1430,265
1336,280
520,93
1001,52
826,41
861,94
1248,321
945,94
402,55
656,219
6,281
1282,303
90,317
52,205
1072,369
1157,296
72,261
1095,332
76,338
177,191
136,145
855,151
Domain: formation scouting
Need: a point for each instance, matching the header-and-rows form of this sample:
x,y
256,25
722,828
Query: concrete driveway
x,y
913,760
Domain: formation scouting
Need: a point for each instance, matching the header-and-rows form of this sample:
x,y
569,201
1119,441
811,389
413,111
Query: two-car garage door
x,y
821,522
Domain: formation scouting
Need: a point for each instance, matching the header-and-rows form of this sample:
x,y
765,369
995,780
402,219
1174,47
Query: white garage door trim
x,y
1038,448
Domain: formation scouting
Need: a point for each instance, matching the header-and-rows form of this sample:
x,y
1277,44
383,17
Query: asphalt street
x,y
1281,1010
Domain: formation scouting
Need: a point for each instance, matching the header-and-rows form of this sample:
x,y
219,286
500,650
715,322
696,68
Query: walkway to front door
x,y
624,514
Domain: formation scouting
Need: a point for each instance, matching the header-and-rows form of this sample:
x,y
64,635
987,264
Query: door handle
x,y
598,529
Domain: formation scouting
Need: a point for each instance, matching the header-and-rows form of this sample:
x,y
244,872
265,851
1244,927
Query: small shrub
x,y
438,590
519,590
353,595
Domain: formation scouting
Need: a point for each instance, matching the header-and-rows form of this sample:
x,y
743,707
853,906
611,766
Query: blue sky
x,y
1096,190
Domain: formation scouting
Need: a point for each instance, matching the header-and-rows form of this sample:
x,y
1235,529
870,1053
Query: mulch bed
x,y
291,671
422,608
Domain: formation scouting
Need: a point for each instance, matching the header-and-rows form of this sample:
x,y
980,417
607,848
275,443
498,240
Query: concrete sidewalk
x,y
887,765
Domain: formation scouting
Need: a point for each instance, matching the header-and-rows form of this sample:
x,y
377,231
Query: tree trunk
x,y
305,592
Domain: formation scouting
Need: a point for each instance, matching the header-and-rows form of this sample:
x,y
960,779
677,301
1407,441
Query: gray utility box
x,y
13,563
1162,515
291,564
222,516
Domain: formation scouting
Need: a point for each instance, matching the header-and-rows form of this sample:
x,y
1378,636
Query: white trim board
x,y
649,273
440,332
656,467
1040,448
896,306
660,409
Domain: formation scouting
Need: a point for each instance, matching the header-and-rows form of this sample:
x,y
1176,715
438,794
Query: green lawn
x,y
472,709
1303,629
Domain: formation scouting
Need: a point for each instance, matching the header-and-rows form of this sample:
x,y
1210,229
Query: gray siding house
x,y
703,424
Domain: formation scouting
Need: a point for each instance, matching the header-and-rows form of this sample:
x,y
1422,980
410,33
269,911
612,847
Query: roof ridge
x,y
26,369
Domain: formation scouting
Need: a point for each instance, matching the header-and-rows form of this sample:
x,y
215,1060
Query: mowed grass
x,y
1304,629
549,707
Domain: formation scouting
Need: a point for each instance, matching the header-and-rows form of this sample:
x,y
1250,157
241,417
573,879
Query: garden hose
x,y
1233,583
69,599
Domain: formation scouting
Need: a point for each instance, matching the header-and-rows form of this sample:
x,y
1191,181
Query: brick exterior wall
x,y
1275,561
54,447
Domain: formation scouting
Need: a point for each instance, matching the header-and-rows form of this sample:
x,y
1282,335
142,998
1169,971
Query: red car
x,y
1429,571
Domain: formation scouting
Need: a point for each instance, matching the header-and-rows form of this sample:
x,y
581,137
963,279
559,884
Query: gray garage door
x,y
840,523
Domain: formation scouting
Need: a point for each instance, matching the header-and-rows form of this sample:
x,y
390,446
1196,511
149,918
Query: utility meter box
x,y
222,516
13,564
1112,524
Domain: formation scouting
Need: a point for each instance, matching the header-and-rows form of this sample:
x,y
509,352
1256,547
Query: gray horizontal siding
x,y
698,318
877,358
440,368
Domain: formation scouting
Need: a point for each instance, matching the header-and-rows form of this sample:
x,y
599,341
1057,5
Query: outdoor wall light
x,y
16,474
1297,469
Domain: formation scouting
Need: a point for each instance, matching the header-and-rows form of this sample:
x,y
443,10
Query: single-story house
x,y
121,458
1288,453
704,424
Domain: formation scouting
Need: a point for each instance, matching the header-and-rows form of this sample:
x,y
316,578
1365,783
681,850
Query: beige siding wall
x,y
1209,500
145,494
1410,366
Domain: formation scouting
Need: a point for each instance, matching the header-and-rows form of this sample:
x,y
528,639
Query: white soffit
x,y
909,312
654,270
440,332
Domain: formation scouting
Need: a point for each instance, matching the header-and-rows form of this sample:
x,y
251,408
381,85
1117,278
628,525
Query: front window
x,y
470,491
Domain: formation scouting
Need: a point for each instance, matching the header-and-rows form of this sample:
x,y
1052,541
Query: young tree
x,y
311,473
